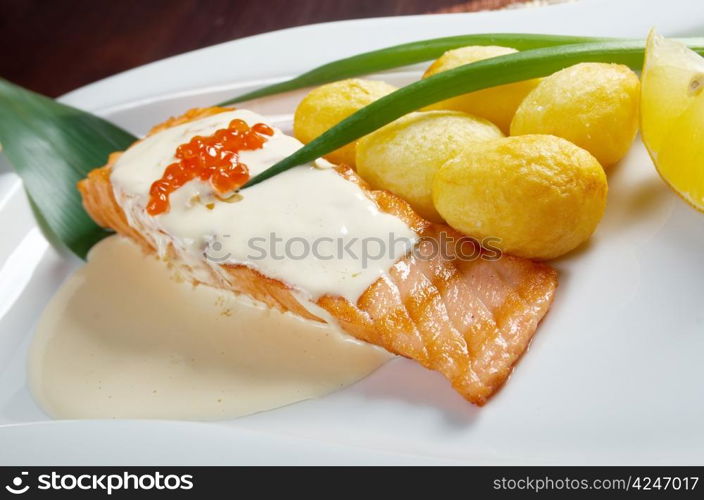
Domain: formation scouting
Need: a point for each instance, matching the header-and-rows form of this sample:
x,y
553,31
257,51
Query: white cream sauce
x,y
122,339
293,227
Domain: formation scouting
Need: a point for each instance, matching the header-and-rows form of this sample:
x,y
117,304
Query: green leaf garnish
x,y
51,147
407,54
468,78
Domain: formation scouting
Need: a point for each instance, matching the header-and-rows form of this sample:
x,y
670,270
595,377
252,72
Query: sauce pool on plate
x,y
123,339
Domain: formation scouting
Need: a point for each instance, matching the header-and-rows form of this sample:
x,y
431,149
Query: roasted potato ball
x,y
403,156
497,104
327,105
540,195
593,105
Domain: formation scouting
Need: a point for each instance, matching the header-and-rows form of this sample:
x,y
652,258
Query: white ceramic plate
x,y
613,376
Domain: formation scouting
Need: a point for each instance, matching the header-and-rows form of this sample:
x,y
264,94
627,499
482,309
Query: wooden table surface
x,y
53,46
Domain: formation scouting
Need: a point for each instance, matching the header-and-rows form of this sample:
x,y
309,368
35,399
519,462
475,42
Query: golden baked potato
x,y
593,105
497,104
539,195
403,156
327,105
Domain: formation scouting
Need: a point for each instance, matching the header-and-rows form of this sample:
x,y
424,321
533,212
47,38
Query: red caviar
x,y
213,158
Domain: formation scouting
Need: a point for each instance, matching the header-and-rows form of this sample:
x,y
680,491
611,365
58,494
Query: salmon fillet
x,y
470,320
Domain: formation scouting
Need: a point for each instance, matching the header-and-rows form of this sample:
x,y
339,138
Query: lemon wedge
x,y
672,115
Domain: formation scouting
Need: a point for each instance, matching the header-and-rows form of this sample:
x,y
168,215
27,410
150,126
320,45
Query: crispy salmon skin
x,y
469,319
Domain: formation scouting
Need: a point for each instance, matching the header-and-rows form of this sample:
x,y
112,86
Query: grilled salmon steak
x,y
469,319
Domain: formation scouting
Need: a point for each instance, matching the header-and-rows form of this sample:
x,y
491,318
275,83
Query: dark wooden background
x,y
53,46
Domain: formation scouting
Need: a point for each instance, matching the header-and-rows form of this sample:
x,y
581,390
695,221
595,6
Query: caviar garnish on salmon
x,y
214,158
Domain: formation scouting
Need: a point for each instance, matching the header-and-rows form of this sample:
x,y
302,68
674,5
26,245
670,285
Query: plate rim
x,y
89,97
